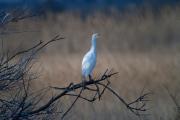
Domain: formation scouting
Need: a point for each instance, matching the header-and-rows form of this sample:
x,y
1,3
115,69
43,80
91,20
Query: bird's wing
x,y
88,63
87,60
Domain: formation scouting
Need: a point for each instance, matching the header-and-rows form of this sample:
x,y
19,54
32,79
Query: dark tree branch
x,y
15,15
15,75
78,96
96,83
15,78
12,72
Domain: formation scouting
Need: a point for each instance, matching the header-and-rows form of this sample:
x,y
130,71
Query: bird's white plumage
x,y
89,60
88,63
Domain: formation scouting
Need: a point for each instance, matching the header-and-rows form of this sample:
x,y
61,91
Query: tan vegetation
x,y
143,47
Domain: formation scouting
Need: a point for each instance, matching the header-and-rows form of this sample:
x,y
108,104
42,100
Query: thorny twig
x,y
11,72
174,98
15,78
15,15
99,92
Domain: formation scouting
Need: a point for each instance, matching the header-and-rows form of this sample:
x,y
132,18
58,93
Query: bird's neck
x,y
93,45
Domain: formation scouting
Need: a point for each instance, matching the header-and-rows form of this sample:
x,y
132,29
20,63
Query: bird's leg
x,y
90,78
84,84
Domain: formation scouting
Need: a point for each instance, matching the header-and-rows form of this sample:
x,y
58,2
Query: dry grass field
x,y
142,46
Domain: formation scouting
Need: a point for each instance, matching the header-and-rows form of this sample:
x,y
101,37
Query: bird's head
x,y
95,36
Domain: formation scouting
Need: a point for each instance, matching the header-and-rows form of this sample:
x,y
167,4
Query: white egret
x,y
89,60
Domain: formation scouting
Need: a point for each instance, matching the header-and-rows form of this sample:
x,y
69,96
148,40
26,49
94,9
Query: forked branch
x,y
94,87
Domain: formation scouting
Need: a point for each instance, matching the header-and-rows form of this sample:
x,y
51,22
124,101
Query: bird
x,y
89,59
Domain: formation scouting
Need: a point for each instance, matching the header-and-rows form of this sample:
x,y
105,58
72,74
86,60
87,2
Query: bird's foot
x,y
90,78
71,86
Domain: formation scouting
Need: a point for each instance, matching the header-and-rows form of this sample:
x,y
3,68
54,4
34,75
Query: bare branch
x,y
96,83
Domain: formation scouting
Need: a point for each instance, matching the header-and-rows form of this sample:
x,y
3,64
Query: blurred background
x,y
83,5
140,39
